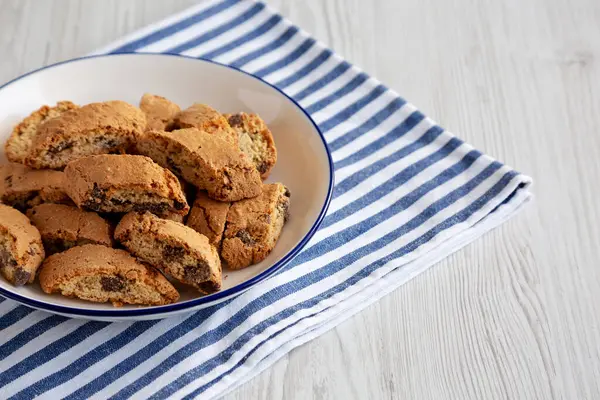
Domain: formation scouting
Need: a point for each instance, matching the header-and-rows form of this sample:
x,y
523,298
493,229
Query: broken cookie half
x,y
21,250
97,128
208,217
23,187
206,161
255,141
21,139
101,274
124,183
206,119
159,112
174,248
254,226
63,227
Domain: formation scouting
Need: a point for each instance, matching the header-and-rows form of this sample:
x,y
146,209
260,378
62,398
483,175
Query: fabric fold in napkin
x,y
407,194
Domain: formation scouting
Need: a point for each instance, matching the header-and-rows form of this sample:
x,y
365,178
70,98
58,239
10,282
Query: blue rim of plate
x,y
215,297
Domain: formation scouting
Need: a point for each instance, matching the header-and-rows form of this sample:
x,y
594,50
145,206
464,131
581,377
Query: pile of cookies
x,y
96,199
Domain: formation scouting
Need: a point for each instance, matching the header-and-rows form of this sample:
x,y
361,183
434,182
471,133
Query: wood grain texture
x,y
514,315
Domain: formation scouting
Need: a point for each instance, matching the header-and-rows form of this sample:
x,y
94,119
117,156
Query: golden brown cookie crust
x,y
63,227
96,128
19,143
124,183
23,187
207,119
208,217
159,112
21,250
254,226
255,140
99,273
206,161
172,247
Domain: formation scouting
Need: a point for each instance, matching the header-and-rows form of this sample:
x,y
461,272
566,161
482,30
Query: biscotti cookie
x,y
124,183
255,141
19,143
206,161
189,191
208,217
176,249
173,217
54,192
63,227
254,225
97,128
159,112
206,119
101,274
21,250
23,187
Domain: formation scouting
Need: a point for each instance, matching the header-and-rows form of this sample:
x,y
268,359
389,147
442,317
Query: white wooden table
x,y
514,315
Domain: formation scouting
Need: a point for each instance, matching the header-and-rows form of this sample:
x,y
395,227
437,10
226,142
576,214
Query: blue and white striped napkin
x,y
408,194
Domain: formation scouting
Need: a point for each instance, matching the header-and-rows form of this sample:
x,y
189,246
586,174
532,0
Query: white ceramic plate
x,y
304,164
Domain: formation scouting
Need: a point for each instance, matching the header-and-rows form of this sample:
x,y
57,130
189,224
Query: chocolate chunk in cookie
x,y
172,247
101,274
112,283
124,183
255,141
21,250
254,225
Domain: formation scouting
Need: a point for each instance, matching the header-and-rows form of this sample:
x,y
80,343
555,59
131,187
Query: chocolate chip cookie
x,y
63,227
159,112
208,217
101,274
175,248
124,183
206,161
255,140
254,225
21,250
97,128
23,187
19,143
